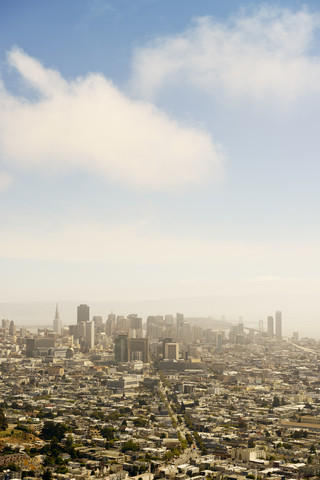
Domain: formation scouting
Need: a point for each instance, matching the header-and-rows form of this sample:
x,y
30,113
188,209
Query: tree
x,y
51,429
140,422
242,424
313,449
251,443
62,469
3,420
107,433
69,442
130,445
27,473
54,447
276,402
47,475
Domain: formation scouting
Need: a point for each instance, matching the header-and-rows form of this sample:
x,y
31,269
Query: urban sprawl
x,y
168,398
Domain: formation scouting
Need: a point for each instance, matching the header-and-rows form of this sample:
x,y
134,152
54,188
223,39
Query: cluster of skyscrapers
x,y
274,326
131,344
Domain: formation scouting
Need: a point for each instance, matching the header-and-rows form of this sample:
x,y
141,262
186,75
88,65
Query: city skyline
x,y
152,151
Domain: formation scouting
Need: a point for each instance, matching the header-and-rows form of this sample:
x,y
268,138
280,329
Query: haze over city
x,y
162,155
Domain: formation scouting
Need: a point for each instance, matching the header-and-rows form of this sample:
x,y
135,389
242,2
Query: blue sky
x,y
160,149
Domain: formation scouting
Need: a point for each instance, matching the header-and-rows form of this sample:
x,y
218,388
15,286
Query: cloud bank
x,y
89,124
264,55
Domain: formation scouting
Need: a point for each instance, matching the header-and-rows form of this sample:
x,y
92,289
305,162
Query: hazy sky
x,y
159,148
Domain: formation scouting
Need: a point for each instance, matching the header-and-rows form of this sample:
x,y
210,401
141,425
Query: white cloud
x,y
88,123
273,279
262,55
5,181
123,244
138,243
135,261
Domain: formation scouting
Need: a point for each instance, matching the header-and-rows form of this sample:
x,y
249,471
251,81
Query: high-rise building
x,y
30,347
135,324
35,346
5,324
171,351
89,340
98,324
121,348
219,341
270,330
168,319
12,328
278,324
83,313
139,349
80,332
110,324
57,323
23,332
122,324
180,323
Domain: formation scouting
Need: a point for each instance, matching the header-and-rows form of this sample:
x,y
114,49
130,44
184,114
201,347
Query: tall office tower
x,y
12,328
110,324
160,319
98,324
36,346
270,327
152,327
139,349
73,330
197,333
81,331
153,331
219,341
5,324
164,341
83,313
295,336
186,333
89,341
136,324
57,323
169,331
121,348
168,319
278,324
260,325
23,332
171,351
240,328
151,319
30,347
209,335
180,322
122,324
